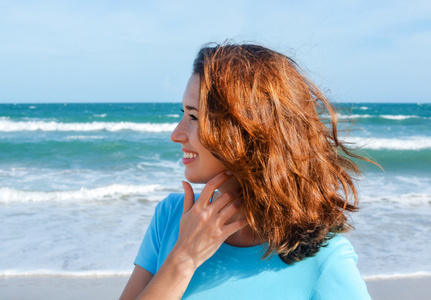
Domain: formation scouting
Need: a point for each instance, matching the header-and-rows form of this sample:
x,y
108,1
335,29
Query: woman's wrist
x,y
180,260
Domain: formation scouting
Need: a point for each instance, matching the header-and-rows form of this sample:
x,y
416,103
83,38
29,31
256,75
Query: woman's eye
x,y
192,117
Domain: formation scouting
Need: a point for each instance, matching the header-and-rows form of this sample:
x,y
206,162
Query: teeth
x,y
189,155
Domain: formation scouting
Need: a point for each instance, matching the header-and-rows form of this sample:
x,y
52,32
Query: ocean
x,y
80,182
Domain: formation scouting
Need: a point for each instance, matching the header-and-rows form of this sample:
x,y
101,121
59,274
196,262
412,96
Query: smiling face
x,y
200,164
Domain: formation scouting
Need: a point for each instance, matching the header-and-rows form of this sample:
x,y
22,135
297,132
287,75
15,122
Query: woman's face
x,y
200,164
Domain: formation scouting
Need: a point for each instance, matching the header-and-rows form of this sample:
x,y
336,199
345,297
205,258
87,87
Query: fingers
x,y
225,198
233,227
189,196
230,210
210,187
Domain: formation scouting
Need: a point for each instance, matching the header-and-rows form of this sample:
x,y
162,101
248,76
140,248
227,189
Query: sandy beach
x,y
65,288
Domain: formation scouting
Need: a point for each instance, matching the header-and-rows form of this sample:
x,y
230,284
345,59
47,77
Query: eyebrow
x,y
191,108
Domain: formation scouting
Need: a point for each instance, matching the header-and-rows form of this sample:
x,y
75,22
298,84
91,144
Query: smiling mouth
x,y
189,155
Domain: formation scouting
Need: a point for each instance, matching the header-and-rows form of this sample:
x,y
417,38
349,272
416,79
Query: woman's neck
x,y
245,236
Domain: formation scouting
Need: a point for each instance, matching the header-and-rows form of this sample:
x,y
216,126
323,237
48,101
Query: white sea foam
x,y
388,117
410,143
414,199
53,273
398,117
397,276
12,126
10,195
354,116
100,116
108,273
419,182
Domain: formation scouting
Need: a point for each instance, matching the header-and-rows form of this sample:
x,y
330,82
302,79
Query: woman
x,y
266,223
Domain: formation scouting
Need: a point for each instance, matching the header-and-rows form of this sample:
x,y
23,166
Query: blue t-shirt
x,y
240,273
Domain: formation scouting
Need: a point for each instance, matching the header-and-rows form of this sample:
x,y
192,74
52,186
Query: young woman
x,y
278,187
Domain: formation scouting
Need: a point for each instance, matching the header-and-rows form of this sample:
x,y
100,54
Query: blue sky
x,y
142,51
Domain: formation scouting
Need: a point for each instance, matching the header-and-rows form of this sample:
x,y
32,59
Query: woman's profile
x,y
278,185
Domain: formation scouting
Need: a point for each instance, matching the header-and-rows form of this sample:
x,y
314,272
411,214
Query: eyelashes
x,y
192,117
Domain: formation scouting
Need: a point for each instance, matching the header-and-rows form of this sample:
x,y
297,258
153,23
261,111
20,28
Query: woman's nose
x,y
178,135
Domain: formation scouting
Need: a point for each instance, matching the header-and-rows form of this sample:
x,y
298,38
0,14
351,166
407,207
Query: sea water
x,y
79,184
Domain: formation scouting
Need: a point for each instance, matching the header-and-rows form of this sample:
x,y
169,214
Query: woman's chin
x,y
190,178
193,178
199,176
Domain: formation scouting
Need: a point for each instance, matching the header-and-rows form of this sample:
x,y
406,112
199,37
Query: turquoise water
x,y
76,178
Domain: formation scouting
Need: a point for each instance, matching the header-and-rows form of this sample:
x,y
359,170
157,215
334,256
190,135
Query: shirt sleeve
x,y
150,247
340,278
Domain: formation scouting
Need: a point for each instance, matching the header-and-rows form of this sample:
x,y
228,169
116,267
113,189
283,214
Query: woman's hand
x,y
204,225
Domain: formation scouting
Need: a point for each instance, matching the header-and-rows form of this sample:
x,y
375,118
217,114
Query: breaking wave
x,y
13,126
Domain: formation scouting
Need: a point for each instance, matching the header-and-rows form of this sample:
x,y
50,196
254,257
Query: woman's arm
x,y
137,282
203,229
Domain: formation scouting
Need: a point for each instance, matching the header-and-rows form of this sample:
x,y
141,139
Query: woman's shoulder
x,y
339,277
334,252
335,258
338,241
172,198
336,247
339,244
173,203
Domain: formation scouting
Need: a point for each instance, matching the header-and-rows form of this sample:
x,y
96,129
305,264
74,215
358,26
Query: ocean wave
x,y
387,117
112,273
11,195
411,143
398,276
71,274
161,165
398,117
355,116
13,126
351,117
100,116
414,199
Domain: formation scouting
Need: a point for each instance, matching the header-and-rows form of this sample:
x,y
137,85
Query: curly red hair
x,y
265,121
